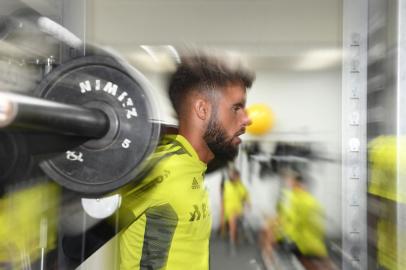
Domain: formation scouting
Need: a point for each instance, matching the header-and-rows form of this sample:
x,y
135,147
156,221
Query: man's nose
x,y
247,120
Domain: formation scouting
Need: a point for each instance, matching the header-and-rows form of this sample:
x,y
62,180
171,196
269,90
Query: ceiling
x,y
279,34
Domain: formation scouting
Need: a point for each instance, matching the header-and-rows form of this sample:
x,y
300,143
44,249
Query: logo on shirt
x,y
195,184
199,212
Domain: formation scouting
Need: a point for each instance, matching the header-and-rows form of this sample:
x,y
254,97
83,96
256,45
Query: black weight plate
x,y
102,165
15,159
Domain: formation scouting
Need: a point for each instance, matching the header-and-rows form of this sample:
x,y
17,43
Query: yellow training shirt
x,y
171,212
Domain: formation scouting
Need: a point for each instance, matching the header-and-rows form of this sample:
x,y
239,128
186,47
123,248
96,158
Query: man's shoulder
x,y
169,146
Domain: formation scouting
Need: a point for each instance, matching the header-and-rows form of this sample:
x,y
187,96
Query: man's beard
x,y
216,139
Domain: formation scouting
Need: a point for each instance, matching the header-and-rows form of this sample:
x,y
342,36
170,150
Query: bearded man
x,y
172,222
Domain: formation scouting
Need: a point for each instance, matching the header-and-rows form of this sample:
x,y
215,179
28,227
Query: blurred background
x,y
319,182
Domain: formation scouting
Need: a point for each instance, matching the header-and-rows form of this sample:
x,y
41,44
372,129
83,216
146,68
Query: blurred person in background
x,y
386,165
28,226
234,200
169,206
299,227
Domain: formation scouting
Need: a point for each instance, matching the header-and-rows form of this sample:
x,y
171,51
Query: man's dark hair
x,y
205,73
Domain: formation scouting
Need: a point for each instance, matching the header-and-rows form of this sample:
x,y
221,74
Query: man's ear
x,y
202,108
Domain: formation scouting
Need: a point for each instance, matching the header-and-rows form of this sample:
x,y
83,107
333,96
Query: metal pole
x,y
354,140
29,113
401,135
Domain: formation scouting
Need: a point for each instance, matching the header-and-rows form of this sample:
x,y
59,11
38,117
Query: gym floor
x,y
245,257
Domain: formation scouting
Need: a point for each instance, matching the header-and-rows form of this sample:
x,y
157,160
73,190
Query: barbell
x,y
100,102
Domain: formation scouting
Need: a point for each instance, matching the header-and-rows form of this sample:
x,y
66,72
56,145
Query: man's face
x,y
227,122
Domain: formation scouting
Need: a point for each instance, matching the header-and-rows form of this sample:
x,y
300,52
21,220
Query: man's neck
x,y
198,143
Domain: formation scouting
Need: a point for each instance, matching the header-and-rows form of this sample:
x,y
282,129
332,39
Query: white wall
x,y
307,108
306,104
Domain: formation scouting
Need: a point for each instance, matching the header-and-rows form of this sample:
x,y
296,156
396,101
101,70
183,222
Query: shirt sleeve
x,y
149,222
136,200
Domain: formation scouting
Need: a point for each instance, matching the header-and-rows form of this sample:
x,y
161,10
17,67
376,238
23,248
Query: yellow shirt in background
x,y
234,197
308,224
28,222
387,160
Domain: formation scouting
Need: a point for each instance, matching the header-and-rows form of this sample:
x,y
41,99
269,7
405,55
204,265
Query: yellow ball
x,y
262,119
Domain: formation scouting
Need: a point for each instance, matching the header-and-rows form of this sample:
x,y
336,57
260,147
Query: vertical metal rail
x,y
401,133
354,140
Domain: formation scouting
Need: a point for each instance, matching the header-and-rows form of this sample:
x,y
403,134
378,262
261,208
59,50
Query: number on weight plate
x,y
74,156
126,143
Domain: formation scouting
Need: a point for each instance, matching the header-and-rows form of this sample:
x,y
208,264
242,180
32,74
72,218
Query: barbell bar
x,y
36,114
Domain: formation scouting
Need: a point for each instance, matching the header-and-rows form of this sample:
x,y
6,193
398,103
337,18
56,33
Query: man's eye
x,y
237,108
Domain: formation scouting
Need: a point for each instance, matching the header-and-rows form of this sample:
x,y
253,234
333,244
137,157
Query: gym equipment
x,y
99,102
101,207
262,119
